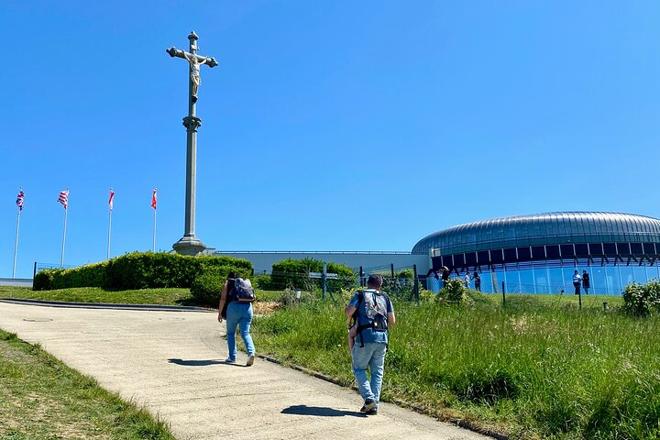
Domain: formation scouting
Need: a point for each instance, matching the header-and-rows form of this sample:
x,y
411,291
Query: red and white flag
x,y
111,200
19,200
154,199
64,198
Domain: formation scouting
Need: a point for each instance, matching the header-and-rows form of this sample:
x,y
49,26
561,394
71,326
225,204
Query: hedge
x,y
642,299
137,270
294,273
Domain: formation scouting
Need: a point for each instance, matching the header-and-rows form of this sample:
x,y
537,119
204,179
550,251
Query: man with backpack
x,y
371,314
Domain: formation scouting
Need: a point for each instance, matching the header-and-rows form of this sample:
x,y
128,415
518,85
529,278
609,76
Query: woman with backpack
x,y
237,310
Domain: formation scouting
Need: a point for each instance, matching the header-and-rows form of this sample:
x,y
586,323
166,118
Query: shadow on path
x,y
304,410
200,362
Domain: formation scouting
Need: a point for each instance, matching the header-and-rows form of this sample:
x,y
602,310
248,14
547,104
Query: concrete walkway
x,y
172,364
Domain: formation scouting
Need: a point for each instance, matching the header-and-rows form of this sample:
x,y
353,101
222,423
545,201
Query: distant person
x,y
433,281
577,279
237,313
477,281
586,282
371,313
445,276
466,279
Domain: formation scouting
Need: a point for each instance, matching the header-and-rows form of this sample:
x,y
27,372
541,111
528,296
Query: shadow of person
x,y
323,411
200,362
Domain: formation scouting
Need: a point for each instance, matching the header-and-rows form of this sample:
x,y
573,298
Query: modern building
x,y
539,253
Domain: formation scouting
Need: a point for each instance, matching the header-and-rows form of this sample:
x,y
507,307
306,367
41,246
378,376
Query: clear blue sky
x,y
328,125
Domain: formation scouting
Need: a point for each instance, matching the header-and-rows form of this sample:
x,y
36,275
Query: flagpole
x,y
109,232
66,211
154,244
18,223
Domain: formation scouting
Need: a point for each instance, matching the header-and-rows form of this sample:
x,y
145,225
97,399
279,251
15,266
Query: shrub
x,y
138,270
292,273
290,297
207,286
642,299
454,291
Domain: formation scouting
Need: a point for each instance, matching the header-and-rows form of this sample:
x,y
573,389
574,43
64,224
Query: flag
x,y
154,200
64,198
19,200
111,200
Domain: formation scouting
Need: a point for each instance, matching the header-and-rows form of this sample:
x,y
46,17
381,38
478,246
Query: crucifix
x,y
189,244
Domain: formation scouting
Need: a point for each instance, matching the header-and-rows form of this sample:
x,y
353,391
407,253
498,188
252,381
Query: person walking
x,y
577,279
477,281
586,282
467,280
372,314
238,314
445,276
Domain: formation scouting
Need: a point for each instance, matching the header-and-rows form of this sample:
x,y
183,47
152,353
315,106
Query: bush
x,y
454,291
292,273
138,270
642,299
207,286
290,297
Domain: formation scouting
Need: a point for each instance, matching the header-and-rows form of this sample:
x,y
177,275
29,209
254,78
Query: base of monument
x,y
189,246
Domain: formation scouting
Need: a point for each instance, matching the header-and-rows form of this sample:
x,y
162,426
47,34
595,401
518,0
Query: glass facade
x,y
555,277
539,253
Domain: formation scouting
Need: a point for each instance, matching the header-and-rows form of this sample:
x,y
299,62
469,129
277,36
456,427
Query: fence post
x,y
503,294
361,277
34,274
579,299
415,283
392,271
324,279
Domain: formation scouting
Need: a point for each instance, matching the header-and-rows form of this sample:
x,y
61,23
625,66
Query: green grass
x,y
538,368
173,296
41,398
98,295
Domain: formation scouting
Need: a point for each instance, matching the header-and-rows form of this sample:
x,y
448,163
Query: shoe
x,y
230,361
372,412
369,405
250,361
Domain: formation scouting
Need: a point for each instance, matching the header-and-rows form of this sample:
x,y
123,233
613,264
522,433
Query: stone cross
x,y
189,244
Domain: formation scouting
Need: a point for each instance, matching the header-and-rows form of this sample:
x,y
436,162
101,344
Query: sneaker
x,y
250,361
230,361
369,405
372,412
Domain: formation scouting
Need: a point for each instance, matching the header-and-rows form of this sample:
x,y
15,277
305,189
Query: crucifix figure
x,y
195,63
189,244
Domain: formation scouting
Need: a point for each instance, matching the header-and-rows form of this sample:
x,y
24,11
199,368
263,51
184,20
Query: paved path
x,y
172,363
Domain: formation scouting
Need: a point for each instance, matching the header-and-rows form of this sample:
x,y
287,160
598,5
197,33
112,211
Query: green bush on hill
x,y
642,299
138,270
292,273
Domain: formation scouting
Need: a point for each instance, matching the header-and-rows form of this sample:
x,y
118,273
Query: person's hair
x,y
231,275
375,280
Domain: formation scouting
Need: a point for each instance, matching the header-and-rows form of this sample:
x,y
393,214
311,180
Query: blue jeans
x,y
239,314
371,356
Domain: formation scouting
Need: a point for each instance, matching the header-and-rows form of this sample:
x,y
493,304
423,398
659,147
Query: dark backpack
x,y
243,291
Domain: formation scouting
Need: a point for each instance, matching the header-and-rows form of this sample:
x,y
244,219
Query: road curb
x,y
107,306
461,423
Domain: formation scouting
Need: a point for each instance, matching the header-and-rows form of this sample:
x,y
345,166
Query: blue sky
x,y
328,125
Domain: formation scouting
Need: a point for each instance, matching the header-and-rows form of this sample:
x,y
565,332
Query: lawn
x,y
172,296
98,295
537,368
41,398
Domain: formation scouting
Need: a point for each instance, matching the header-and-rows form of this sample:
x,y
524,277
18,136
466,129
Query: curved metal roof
x,y
542,229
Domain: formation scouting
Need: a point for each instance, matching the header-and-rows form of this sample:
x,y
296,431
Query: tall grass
x,y
532,369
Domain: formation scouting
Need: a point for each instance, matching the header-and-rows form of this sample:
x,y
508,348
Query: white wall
x,y
263,261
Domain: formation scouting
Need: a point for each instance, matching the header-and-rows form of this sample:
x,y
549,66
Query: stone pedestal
x,y
189,246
